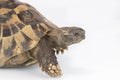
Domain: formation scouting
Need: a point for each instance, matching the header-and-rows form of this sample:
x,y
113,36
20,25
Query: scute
x,y
10,4
21,28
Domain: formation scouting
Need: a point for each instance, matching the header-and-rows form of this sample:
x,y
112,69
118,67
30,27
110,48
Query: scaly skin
x,y
55,41
47,59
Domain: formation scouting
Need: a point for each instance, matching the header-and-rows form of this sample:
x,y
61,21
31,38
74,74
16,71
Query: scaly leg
x,y
24,59
47,59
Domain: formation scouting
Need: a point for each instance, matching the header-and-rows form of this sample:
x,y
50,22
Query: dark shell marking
x,y
29,17
6,17
6,31
14,29
10,4
20,25
21,28
27,41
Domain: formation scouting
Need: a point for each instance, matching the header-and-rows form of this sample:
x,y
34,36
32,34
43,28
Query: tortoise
x,y
27,38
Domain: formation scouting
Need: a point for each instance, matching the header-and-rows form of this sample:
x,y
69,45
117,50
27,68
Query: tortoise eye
x,y
76,34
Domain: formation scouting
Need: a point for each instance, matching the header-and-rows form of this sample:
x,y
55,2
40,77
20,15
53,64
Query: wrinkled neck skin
x,y
53,44
55,38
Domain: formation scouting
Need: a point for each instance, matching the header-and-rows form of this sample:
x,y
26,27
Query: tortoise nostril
x,y
83,36
83,32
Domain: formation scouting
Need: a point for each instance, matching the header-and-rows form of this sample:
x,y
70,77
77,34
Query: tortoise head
x,y
73,35
61,38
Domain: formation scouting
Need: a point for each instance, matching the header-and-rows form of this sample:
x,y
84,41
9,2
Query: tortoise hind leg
x,y
47,59
16,61
21,60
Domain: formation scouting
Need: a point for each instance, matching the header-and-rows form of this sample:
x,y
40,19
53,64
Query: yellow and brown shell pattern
x,y
21,28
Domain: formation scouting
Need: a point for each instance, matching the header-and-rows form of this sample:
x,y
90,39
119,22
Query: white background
x,y
95,58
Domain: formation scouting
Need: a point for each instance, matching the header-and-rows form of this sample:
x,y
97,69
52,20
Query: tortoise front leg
x,y
47,59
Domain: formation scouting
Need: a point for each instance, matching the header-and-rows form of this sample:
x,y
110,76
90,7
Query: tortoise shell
x,y
21,28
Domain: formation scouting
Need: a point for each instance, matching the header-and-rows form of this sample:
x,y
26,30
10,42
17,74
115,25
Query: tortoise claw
x,y
58,50
62,51
54,71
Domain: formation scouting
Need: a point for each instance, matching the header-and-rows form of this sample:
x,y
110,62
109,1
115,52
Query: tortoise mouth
x,y
79,40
